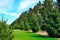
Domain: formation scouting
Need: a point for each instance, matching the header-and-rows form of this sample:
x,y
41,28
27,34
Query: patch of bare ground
x,y
30,30
58,38
44,33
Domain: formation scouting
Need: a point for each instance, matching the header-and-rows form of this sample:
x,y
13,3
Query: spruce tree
x,y
51,19
34,23
58,4
25,20
47,7
5,31
21,23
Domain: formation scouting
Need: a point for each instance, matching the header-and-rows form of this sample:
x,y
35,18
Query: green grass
x,y
24,35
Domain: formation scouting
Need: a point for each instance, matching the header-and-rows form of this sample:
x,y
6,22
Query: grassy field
x,y
24,35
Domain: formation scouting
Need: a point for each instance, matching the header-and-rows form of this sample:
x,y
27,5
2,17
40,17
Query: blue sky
x,y
11,9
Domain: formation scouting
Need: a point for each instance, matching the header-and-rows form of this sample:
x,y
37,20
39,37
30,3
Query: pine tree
x,y
58,2
5,31
34,23
47,7
25,20
51,19
21,23
38,11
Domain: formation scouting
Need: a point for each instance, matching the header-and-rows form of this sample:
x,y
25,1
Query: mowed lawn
x,y
25,35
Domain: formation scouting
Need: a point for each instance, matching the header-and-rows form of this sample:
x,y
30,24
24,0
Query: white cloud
x,y
10,14
26,3
6,4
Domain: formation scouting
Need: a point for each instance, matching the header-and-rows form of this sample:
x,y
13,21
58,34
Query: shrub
x,y
5,32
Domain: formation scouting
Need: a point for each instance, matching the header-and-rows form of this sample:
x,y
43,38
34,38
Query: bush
x,y
35,29
5,31
26,26
52,25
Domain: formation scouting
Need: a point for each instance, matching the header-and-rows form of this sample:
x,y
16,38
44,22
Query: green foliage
x,y
25,23
34,23
51,20
22,25
16,26
52,25
25,20
26,26
5,31
58,3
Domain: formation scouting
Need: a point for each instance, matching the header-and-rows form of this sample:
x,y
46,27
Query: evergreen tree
x,y
25,20
47,7
5,32
37,10
58,2
21,25
34,23
51,19
16,26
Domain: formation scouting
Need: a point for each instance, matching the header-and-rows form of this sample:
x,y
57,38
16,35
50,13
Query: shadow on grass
x,y
39,36
29,32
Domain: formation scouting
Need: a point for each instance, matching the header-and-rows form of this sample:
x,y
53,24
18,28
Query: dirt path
x,y
44,33
58,38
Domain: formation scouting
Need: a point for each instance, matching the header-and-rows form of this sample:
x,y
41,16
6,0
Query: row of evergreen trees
x,y
44,16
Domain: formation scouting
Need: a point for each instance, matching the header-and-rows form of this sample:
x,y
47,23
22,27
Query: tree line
x,y
44,16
